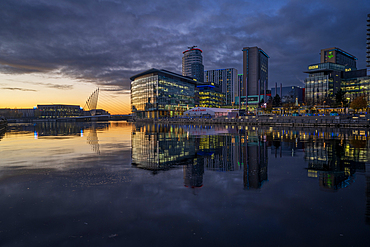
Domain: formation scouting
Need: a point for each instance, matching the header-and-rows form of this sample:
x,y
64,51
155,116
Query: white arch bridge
x,y
94,114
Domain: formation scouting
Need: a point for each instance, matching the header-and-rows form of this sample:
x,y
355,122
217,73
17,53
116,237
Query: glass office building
x,y
160,93
210,96
355,84
323,82
325,78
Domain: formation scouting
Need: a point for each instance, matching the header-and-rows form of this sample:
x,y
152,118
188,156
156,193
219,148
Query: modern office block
x,y
325,79
192,63
210,96
338,56
160,93
227,80
368,45
356,83
255,73
323,82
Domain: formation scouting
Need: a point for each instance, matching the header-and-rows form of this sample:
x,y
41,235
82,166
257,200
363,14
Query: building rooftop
x,y
339,50
165,72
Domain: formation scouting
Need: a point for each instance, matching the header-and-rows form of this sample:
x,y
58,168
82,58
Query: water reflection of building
x,y
158,147
193,174
45,129
2,132
162,147
284,143
241,150
334,162
57,129
367,213
255,161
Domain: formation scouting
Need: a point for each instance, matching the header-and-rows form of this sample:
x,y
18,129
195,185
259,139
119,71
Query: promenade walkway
x,y
292,121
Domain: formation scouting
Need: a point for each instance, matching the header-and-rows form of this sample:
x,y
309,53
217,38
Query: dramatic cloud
x,y
106,42
50,85
18,89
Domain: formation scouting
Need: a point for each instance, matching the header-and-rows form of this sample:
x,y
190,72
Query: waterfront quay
x,y
341,121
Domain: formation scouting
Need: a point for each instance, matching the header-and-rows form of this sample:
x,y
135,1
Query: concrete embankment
x,y
292,121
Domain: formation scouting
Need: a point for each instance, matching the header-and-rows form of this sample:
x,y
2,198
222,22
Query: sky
x,y
60,51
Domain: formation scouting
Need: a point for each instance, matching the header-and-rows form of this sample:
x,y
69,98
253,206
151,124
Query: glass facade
x,y
209,97
356,87
159,93
318,88
323,81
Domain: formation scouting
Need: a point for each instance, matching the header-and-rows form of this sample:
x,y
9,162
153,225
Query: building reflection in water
x,y
159,147
61,129
367,214
50,129
334,160
332,156
2,133
196,148
255,156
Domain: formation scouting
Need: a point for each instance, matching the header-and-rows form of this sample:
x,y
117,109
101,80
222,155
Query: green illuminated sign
x,y
330,55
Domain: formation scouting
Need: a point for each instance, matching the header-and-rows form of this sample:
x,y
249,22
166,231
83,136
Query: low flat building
x,y
212,112
59,111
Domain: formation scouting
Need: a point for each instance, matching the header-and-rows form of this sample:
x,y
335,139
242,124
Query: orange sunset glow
x,y
29,90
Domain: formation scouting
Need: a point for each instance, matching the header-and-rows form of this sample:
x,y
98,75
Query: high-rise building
x,y
255,73
240,90
368,45
227,80
192,63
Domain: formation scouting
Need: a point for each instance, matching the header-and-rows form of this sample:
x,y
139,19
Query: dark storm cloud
x,y
106,42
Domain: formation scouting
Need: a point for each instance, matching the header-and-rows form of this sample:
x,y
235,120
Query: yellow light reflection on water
x,y
35,149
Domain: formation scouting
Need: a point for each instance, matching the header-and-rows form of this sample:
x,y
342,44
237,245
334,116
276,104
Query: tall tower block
x,y
255,71
192,63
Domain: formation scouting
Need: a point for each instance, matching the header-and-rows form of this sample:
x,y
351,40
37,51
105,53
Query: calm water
x,y
118,184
